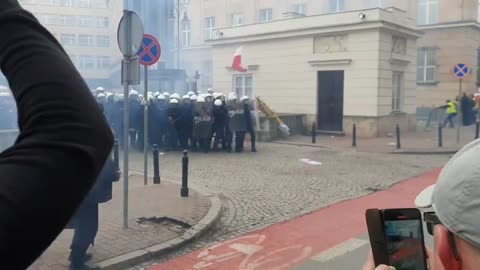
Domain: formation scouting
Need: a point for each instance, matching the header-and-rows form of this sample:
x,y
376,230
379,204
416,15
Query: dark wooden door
x,y
330,100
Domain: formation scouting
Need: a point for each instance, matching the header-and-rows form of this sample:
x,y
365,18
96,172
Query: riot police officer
x,y
220,120
202,126
249,120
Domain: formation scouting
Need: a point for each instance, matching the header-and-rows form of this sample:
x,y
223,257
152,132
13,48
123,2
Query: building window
x,y
84,3
398,91
378,3
66,3
103,22
427,65
427,12
48,2
67,39
265,15
48,19
67,20
103,41
209,26
86,40
103,62
86,62
336,6
186,33
28,2
300,8
243,85
86,21
237,19
102,3
207,67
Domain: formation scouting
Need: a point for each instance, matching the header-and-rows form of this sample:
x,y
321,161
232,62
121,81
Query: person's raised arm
x,y
63,143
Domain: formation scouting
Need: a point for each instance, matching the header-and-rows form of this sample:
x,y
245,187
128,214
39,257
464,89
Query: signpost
x,y
149,54
460,71
129,37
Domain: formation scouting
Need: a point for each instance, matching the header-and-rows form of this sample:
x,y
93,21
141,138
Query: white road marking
x,y
340,250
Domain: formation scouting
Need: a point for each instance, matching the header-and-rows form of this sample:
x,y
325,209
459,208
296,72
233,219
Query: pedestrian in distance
x,y
451,109
63,143
85,220
455,220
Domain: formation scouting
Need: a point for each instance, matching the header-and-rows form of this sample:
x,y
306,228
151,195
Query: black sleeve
x,y
63,143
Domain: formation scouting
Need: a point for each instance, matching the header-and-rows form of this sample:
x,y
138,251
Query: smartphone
x,y
400,243
376,234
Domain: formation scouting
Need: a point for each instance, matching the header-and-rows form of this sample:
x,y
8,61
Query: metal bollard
x,y
354,136
116,155
184,190
132,137
398,137
440,136
314,133
477,130
156,165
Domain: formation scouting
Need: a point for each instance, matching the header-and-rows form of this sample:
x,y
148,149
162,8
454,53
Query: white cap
x,y
186,97
140,96
209,90
218,102
120,97
200,100
101,95
3,88
456,195
193,97
244,98
173,101
190,93
4,94
217,95
161,97
166,94
133,93
175,95
109,94
156,93
208,95
100,89
232,97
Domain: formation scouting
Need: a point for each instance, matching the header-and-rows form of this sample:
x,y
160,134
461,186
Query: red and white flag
x,y
237,61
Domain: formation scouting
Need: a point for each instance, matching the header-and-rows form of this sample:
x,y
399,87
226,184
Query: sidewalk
x,y
116,248
420,142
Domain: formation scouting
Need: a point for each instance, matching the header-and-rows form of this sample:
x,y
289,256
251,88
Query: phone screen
x,y
405,244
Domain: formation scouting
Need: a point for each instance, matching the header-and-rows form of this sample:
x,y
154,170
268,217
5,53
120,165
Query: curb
x,y
141,255
396,152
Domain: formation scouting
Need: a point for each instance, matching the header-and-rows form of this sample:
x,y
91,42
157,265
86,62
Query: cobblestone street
x,y
274,185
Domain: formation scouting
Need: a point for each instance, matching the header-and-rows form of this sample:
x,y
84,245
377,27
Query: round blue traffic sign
x,y
150,51
461,71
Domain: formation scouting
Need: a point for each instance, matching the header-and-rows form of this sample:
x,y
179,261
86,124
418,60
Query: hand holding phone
x,y
396,237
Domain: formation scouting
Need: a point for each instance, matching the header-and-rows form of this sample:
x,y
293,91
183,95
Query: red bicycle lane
x,y
283,245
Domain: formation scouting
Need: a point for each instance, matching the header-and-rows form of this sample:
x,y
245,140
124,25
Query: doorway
x,y
330,100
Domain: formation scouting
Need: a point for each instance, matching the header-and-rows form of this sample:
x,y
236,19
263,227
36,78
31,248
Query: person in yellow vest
x,y
451,113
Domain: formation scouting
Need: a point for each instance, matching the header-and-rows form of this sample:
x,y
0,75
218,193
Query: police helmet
x,y
193,98
218,103
190,93
200,100
173,101
161,97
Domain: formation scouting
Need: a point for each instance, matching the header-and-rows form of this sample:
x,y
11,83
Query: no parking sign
x,y
150,51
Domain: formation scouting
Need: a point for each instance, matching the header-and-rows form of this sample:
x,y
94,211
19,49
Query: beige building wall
x,y
284,63
113,11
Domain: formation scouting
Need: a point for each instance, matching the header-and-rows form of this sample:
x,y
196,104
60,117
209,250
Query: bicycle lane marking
x,y
283,245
